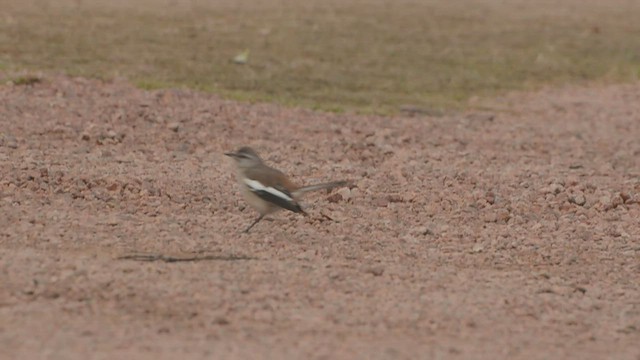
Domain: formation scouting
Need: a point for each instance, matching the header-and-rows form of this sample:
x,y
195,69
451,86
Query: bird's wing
x,y
271,185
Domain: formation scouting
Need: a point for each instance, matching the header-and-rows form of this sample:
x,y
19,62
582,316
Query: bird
x,y
268,190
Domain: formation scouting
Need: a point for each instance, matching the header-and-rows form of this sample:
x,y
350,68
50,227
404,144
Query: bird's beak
x,y
231,154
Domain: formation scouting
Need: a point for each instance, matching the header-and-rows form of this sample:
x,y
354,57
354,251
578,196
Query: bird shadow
x,y
149,257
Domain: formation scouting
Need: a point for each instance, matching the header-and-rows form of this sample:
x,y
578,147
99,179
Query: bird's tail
x,y
305,189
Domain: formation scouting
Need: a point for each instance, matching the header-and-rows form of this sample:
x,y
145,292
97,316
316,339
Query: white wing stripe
x,y
255,185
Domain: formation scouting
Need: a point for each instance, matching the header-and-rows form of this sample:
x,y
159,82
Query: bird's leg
x,y
253,223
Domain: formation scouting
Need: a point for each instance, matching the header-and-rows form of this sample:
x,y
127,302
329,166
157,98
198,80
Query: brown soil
x,y
510,234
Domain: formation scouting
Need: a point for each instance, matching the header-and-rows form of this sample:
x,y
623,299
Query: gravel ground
x,y
512,233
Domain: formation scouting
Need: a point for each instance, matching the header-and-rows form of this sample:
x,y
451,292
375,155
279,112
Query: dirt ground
x,y
510,233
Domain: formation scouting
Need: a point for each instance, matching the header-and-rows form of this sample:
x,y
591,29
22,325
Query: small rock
x,y
307,255
477,248
8,141
556,188
334,198
490,197
380,202
409,197
481,117
608,202
421,230
571,180
565,206
490,217
173,126
375,270
481,204
580,289
336,275
615,233
625,196
605,201
503,215
410,239
112,134
221,320
578,199
547,290
617,200
544,275
345,193
591,186
635,199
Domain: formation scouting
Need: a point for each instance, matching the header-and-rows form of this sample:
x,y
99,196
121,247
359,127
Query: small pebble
x,y
375,270
578,199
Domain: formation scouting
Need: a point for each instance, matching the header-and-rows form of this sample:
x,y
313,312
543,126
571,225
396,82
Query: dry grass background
x,y
369,56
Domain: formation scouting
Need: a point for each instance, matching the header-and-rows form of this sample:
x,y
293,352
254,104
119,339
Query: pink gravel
x,y
508,233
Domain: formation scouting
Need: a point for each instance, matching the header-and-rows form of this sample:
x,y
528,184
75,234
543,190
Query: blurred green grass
x,y
367,56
